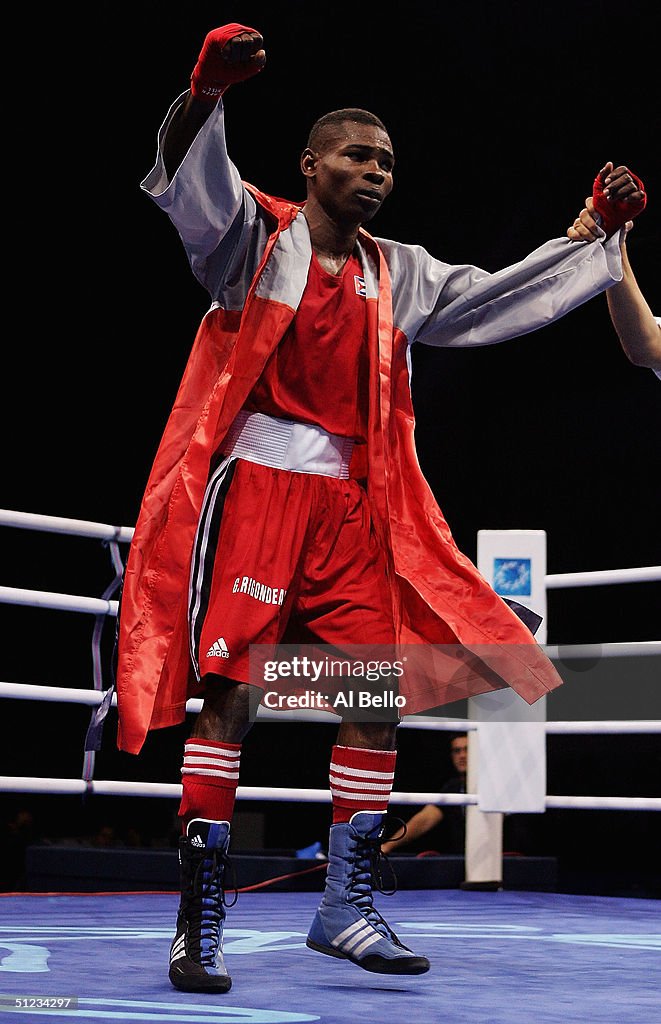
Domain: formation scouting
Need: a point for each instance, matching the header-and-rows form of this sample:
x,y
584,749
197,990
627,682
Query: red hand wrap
x,y
614,214
212,74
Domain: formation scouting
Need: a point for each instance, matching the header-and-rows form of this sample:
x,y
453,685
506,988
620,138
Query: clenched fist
x,y
618,196
229,54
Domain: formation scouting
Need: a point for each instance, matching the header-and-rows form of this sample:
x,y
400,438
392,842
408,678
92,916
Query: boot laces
x,y
367,874
205,903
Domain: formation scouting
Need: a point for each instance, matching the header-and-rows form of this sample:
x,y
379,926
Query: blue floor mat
x,y
497,958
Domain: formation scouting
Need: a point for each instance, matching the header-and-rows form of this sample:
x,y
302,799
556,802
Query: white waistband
x,y
284,444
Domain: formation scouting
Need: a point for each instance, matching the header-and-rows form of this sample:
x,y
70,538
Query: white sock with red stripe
x,y
210,775
360,780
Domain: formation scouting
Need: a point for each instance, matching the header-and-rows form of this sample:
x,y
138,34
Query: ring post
x,y
507,752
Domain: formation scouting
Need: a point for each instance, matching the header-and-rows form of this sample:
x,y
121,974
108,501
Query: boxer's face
x,y
351,173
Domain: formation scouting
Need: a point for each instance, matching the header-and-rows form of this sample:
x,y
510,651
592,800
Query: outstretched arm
x,y
230,54
459,306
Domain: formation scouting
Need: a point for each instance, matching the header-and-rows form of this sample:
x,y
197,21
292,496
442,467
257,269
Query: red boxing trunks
x,y
283,555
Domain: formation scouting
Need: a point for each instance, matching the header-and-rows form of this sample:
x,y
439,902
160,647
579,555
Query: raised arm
x,y
193,179
230,54
637,328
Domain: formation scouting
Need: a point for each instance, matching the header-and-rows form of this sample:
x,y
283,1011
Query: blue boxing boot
x,y
346,924
196,955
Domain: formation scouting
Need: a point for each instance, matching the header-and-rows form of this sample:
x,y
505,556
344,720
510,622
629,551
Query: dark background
x,y
500,116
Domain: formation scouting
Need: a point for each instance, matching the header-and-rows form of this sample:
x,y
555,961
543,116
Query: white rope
x,y
600,577
103,531
100,607
636,648
69,695
312,715
437,724
60,787
604,728
63,694
23,784
604,803
61,602
55,524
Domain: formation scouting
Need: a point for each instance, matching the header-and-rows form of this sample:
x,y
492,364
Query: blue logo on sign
x,y
512,576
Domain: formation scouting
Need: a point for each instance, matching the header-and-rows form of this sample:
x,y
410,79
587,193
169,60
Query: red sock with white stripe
x,y
210,775
360,780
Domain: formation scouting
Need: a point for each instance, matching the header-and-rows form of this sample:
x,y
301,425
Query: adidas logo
x,y
197,841
218,649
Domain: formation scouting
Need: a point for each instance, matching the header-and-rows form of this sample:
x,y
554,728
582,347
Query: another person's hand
x,y
585,228
231,53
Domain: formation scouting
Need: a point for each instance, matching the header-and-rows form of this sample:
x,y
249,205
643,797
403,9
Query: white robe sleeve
x,y
206,192
440,304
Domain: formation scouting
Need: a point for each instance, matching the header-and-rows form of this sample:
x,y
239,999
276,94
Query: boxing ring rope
x,y
104,607
69,695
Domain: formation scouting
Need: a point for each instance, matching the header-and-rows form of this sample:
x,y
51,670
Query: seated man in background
x,y
443,828
436,829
